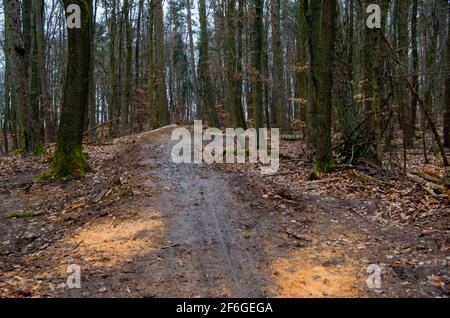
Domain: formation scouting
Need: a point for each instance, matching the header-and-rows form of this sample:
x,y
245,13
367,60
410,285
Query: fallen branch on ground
x,y
427,177
297,235
170,246
99,126
435,190
365,177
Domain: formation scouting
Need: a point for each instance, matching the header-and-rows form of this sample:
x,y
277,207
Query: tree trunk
x,y
208,98
447,91
278,110
35,93
238,79
6,103
233,68
125,114
401,30
49,117
302,63
92,82
200,111
374,93
342,90
151,108
431,60
258,99
69,160
18,52
137,111
265,74
114,100
162,118
414,70
322,28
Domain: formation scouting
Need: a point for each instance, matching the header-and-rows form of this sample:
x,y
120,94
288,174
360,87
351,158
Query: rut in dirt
x,y
215,233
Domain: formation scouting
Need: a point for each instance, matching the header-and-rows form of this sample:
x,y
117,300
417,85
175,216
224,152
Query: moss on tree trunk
x,y
69,161
67,165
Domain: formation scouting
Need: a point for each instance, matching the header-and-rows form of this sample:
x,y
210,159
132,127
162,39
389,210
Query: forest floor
x,y
142,226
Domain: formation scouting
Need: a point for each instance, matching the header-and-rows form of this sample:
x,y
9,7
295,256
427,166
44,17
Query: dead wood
x,y
435,190
365,177
297,235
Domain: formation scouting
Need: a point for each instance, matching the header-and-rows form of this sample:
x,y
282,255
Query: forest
x,y
359,89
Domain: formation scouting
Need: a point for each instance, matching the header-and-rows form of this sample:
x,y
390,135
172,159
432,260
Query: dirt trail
x,y
197,231
209,222
197,235
220,238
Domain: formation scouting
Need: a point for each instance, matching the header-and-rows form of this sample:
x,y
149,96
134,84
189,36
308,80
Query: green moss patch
x,y
67,166
19,215
325,166
40,150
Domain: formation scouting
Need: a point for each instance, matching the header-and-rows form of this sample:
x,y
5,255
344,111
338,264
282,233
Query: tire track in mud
x,y
215,237
216,233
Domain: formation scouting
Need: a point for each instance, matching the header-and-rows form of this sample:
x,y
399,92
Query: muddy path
x,y
193,232
222,235
214,236
185,230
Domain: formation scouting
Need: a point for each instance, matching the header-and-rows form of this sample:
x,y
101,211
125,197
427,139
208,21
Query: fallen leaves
x,y
40,214
384,195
